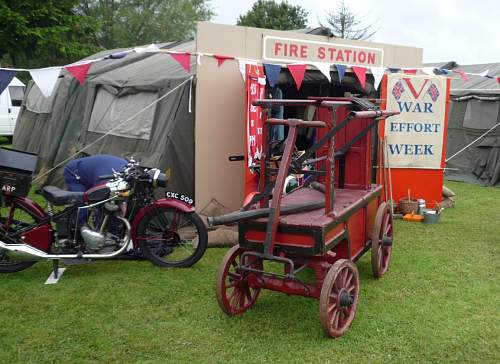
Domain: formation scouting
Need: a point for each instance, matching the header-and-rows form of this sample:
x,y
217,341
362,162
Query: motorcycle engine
x,y
96,241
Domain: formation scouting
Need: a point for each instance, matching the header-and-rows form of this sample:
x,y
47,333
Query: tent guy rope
x,y
473,142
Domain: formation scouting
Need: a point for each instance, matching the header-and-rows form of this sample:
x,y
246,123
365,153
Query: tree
x,y
124,23
37,33
344,24
270,15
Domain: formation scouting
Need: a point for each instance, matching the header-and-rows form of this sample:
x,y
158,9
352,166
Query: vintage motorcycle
x,y
104,222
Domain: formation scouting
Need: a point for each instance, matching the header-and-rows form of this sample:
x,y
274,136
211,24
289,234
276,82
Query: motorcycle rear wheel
x,y
172,238
12,218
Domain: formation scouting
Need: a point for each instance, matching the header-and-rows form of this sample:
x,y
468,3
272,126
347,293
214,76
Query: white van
x,y
10,103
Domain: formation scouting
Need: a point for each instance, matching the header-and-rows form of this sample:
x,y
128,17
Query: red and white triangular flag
x,y
221,59
298,71
324,68
46,79
361,74
463,75
79,71
184,60
378,73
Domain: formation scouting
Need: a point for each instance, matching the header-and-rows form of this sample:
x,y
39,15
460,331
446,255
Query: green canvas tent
x,y
77,116
474,109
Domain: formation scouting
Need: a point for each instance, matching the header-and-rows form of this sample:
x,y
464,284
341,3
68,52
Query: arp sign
x,y
415,137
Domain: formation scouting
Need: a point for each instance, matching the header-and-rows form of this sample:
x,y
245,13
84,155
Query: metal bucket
x,y
431,216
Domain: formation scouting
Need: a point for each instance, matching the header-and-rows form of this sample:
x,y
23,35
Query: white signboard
x,y
415,137
278,49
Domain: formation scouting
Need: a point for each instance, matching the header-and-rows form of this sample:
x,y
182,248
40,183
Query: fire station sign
x,y
277,49
415,137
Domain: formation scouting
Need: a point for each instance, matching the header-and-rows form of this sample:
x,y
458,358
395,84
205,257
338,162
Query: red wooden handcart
x,y
324,225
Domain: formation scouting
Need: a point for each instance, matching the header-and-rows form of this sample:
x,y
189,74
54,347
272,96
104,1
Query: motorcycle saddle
x,y
59,196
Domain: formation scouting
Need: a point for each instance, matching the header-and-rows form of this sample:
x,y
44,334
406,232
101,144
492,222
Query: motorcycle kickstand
x,y
55,268
56,272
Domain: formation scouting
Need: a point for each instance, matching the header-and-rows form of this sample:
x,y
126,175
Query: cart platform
x,y
313,232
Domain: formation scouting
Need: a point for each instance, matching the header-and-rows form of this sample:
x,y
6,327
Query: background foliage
x,y
36,33
271,15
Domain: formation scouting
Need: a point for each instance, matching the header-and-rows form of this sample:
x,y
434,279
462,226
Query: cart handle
x,y
296,122
373,114
283,102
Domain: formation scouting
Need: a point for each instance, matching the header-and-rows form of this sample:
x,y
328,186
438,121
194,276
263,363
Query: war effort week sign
x,y
415,137
285,50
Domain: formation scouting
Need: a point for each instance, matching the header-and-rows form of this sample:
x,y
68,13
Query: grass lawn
x,y
439,303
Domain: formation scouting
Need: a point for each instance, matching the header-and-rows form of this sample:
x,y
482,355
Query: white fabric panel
x,y
37,103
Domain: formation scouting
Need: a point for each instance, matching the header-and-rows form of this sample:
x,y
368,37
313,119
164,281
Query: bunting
x,y
221,59
272,73
378,73
5,77
341,71
116,55
463,75
46,79
428,71
242,64
324,68
79,71
184,59
361,74
297,71
149,49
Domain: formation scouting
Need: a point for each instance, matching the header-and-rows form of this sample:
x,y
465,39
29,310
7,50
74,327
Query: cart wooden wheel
x,y
382,240
339,298
234,294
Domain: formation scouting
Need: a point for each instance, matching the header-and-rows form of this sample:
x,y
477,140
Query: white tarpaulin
x,y
415,137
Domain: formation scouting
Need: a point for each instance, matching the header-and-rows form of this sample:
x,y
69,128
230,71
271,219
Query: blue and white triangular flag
x,y
272,73
46,79
5,77
341,70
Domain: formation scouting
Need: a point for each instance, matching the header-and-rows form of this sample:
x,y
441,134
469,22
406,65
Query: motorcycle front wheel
x,y
169,237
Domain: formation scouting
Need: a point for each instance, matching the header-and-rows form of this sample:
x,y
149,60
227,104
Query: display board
x,y
415,140
415,136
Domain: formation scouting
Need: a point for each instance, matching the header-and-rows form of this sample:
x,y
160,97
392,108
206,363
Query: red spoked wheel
x,y
382,240
234,294
339,298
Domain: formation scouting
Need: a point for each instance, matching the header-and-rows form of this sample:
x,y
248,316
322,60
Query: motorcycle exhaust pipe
x,y
29,253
